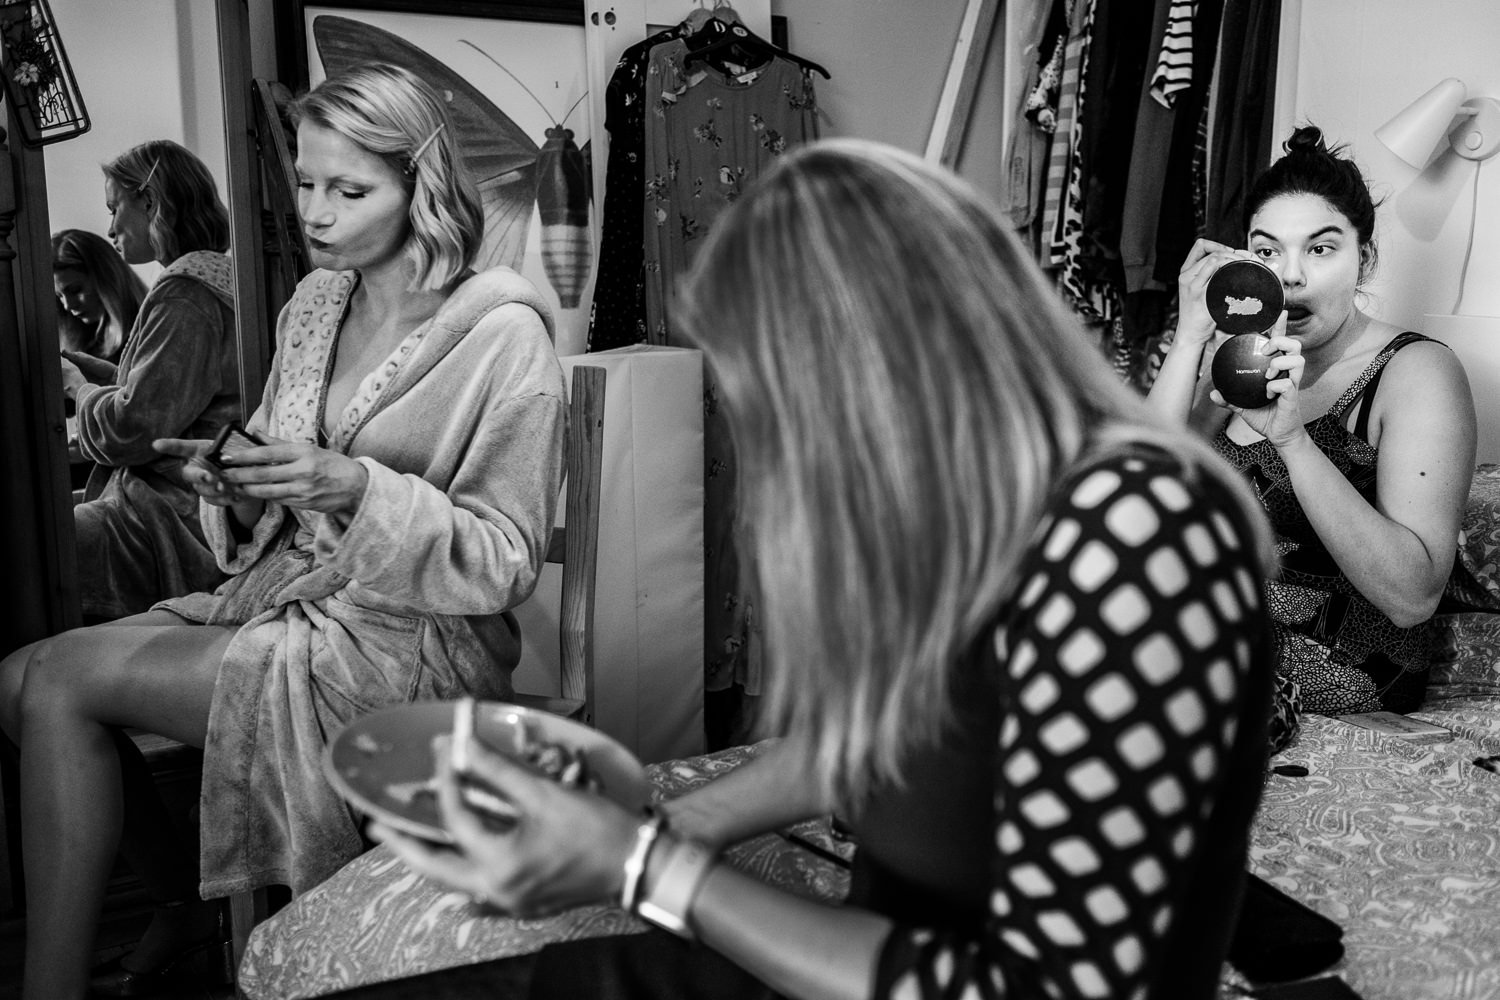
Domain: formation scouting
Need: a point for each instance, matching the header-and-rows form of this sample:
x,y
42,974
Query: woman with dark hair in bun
x,y
1362,458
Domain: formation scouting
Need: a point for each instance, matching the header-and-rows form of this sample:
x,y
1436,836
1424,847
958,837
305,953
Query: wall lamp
x,y
1443,116
1446,118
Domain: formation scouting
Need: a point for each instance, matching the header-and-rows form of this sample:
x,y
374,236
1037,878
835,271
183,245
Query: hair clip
x,y
149,174
411,161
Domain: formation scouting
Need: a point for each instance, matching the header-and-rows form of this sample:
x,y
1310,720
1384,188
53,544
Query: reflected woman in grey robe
x,y
138,536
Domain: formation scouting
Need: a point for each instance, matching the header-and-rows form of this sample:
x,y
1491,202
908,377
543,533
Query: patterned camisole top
x,y
1344,654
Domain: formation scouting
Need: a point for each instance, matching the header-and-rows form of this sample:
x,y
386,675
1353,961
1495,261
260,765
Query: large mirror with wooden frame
x,y
154,69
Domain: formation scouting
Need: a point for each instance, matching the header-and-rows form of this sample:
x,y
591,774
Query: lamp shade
x,y
1417,132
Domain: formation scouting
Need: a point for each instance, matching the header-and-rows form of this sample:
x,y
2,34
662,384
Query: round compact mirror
x,y
1244,296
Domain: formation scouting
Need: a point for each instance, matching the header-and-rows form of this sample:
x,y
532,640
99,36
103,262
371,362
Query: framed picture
x,y
515,76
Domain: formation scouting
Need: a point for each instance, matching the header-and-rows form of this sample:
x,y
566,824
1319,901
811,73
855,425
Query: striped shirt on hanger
x,y
1174,68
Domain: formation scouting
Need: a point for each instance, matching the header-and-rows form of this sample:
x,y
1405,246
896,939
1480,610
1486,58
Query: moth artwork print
x,y
525,160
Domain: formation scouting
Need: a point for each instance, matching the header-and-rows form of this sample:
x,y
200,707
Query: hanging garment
x,y
1043,93
708,134
1062,137
1094,300
618,318
1117,66
1244,109
1148,169
1174,68
1177,224
1027,157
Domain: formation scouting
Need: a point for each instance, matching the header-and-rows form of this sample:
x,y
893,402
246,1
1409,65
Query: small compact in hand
x,y
1239,370
230,441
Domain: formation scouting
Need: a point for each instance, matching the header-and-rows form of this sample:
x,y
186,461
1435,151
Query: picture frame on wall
x,y
515,76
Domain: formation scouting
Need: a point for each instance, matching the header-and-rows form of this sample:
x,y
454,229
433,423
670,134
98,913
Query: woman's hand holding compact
x,y
1195,324
567,848
1280,421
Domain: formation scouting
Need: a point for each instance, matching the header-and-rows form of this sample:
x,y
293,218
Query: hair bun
x,y
1307,139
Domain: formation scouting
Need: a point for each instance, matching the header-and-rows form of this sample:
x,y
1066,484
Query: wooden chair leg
x,y
246,909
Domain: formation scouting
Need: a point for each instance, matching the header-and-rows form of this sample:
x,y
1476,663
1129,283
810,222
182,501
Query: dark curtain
x,y
1244,109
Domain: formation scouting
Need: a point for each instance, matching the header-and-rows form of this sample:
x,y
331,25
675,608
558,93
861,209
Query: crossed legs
x,y
60,700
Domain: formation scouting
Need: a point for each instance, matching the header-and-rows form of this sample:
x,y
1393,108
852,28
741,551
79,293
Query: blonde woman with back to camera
x,y
400,505
1015,631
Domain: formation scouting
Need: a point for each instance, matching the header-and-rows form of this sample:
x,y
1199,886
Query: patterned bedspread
x,y
1397,843
1400,845
375,920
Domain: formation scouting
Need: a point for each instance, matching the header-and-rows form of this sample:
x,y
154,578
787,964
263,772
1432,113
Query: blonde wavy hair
x,y
390,112
186,212
904,390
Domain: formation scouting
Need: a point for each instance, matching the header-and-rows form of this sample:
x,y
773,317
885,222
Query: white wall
x,y
1349,66
147,69
889,61
1352,65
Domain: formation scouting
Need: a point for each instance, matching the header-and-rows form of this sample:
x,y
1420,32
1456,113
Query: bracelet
x,y
635,862
668,899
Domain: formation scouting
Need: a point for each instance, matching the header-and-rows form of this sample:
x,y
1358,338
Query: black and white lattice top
x,y
1129,685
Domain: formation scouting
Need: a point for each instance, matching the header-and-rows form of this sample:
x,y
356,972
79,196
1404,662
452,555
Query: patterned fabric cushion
x,y
1475,582
375,920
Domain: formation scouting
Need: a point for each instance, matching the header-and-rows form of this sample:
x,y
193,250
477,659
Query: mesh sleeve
x,y
1122,667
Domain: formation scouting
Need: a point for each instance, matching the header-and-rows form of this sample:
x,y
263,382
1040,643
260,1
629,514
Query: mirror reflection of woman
x,y
403,503
100,292
98,297
139,539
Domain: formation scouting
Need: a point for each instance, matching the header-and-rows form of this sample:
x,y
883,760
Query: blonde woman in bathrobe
x,y
399,509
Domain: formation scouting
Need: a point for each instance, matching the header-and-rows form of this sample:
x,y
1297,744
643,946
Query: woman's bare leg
x,y
159,849
72,689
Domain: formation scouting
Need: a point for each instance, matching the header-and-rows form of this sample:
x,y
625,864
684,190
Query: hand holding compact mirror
x,y
1244,297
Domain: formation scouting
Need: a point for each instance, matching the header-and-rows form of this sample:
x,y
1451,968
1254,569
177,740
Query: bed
x,y
1398,843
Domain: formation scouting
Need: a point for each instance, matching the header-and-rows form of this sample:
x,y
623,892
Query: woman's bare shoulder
x,y
1425,364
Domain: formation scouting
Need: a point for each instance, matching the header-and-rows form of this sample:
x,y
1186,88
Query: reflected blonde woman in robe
x,y
138,535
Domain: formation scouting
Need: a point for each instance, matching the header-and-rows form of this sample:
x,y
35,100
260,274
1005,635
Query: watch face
x,y
1244,296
